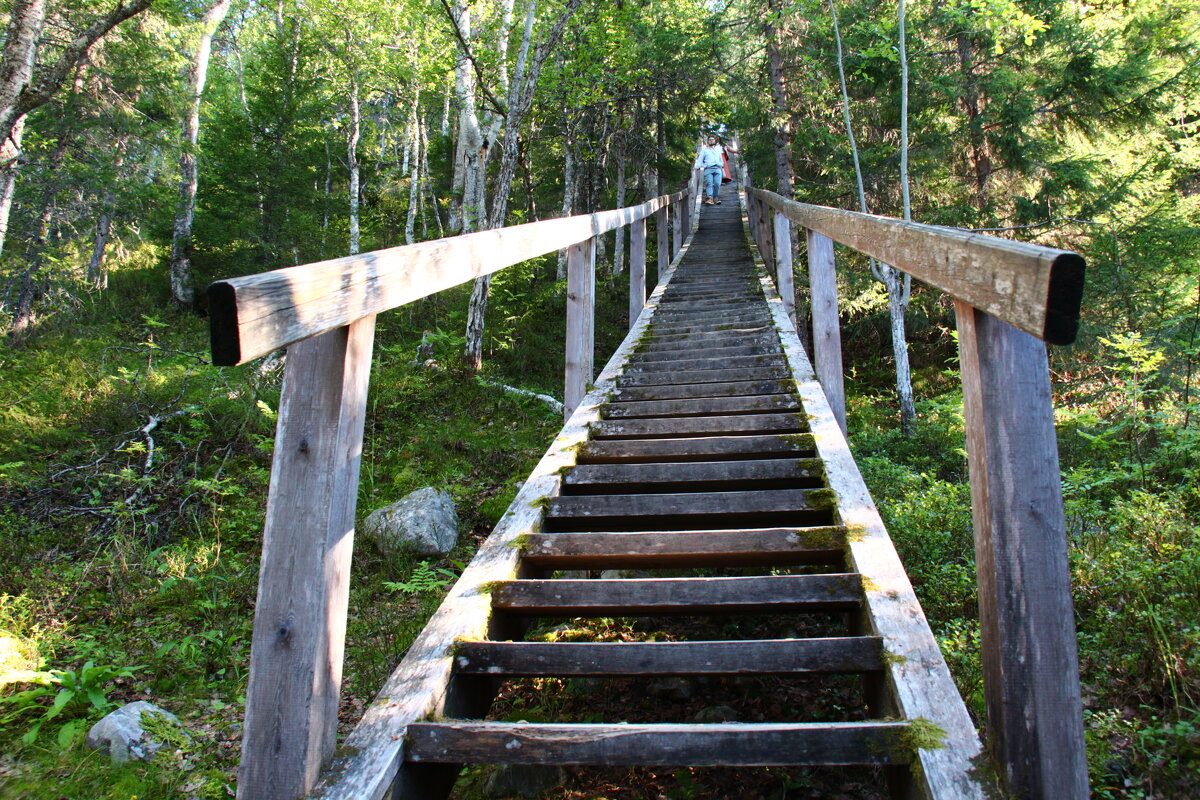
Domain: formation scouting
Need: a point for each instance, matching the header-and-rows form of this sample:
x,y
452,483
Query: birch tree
x,y
182,292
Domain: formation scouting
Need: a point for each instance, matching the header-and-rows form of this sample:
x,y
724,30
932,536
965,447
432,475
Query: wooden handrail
x,y
1034,288
1007,296
253,315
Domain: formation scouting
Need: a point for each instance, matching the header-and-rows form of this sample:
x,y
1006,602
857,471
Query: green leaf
x,y
69,734
64,697
99,701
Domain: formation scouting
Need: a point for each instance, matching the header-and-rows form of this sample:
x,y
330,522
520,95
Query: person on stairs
x,y
711,159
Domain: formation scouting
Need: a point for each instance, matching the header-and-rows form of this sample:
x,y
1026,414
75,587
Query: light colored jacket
x,y
710,156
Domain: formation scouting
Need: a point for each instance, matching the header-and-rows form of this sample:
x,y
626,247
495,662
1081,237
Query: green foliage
x,y
67,698
425,579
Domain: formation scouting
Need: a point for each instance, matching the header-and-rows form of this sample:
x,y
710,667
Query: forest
x,y
150,147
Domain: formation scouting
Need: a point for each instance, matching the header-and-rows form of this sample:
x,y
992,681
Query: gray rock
x,y
524,780
617,574
423,522
676,689
122,733
716,714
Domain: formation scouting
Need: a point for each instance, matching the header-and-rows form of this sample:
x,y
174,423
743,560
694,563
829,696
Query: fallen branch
x,y
551,403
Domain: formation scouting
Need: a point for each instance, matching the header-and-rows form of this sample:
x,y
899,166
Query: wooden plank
x,y
581,323
919,682
701,363
702,406
681,391
702,448
683,353
699,426
637,269
846,654
1030,665
661,230
827,328
253,315
775,472
726,744
783,266
675,504
710,340
1037,289
676,229
676,378
678,595
304,575
683,548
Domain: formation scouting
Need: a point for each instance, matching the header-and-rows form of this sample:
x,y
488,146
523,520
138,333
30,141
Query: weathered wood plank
x,y
637,269
819,545
1037,289
783,265
253,315
681,503
919,682
701,448
663,252
703,406
678,595
1030,665
581,323
699,426
728,744
827,329
702,376
630,394
847,654
770,473
702,362
304,577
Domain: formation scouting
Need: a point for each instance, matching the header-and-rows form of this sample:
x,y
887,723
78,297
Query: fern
x,y
426,579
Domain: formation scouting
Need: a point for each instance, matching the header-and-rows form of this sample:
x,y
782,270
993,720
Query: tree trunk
x,y
97,275
352,160
570,182
182,292
973,104
619,241
10,164
414,180
780,112
837,35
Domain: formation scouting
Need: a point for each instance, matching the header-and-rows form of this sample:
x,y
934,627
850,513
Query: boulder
x,y
423,523
715,714
123,735
524,780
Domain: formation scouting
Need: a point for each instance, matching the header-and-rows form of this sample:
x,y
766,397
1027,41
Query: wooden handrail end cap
x,y
223,325
1064,297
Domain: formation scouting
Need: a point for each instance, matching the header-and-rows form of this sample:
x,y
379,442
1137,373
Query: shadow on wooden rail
x,y
1010,299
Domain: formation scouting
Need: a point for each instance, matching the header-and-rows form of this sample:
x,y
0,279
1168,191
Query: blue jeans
x,y
712,181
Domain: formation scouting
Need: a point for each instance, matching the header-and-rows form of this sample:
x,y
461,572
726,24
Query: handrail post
x,y
827,334
1030,661
677,228
664,248
767,248
783,263
637,269
581,322
304,577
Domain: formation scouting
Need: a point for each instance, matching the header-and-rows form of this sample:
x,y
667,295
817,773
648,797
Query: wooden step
x,y
723,744
744,546
668,378
630,394
703,448
776,473
634,596
702,406
705,362
755,331
688,510
699,426
846,654
705,350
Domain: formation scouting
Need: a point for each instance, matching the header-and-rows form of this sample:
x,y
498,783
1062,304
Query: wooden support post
x,y
304,577
664,255
1030,663
581,322
783,264
637,269
685,207
677,228
827,332
767,235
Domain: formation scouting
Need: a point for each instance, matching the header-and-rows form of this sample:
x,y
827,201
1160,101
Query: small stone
x,y
122,733
619,574
524,780
423,523
676,689
716,714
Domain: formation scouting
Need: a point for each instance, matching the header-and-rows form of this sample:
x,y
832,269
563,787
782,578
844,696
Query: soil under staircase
x,y
718,493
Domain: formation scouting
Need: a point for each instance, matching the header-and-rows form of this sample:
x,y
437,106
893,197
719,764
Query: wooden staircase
x,y
703,465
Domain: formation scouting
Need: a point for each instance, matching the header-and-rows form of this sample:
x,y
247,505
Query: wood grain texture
x,y
637,269
847,654
581,323
662,243
1030,665
253,315
304,574
783,265
728,744
827,326
701,406
699,426
916,674
681,548
734,474
1037,289
698,448
551,598
698,390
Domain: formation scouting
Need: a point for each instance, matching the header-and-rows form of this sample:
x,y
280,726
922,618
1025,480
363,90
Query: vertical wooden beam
x,y
581,322
783,264
304,576
1030,663
767,235
827,332
637,269
685,208
664,255
676,228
